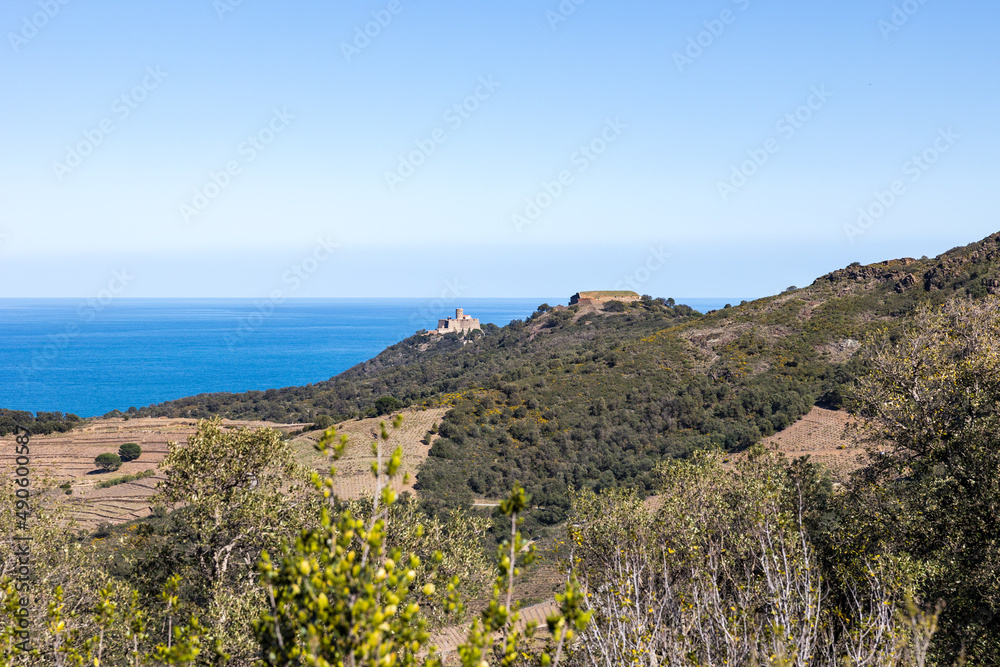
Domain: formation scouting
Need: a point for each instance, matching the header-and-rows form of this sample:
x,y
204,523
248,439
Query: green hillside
x,y
581,398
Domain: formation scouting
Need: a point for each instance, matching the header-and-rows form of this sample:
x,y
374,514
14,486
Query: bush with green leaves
x,y
108,462
724,573
387,405
322,422
124,479
115,634
130,451
928,412
339,596
41,423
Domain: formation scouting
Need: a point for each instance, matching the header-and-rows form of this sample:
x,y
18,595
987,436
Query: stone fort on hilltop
x,y
603,296
459,324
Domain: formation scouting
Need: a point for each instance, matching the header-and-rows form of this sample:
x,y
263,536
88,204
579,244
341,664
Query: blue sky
x,y
209,147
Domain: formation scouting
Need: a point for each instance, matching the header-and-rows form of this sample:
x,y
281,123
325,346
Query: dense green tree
x,y
108,461
323,422
241,492
929,415
387,405
130,451
41,423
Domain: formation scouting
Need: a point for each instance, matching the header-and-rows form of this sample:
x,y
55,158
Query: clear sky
x,y
516,148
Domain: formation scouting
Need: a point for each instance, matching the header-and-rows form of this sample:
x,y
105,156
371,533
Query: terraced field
x,y
820,435
447,639
354,478
69,457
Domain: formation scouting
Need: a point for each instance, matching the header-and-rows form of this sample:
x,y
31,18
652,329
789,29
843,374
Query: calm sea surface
x,y
83,357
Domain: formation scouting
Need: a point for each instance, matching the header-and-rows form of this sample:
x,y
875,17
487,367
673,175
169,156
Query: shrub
x,y
130,451
344,574
115,481
542,309
728,573
108,462
614,306
387,404
929,413
323,422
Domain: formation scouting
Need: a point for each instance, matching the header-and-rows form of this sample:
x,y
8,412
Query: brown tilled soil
x,y
69,457
447,639
820,436
354,477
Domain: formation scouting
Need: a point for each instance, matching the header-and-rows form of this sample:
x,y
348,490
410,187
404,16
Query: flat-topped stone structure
x,y
603,296
459,324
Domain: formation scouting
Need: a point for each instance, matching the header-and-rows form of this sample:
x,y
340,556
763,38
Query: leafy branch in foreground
x,y
68,646
340,596
343,593
337,596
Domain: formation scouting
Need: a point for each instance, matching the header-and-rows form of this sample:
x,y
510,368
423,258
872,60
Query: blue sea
x,y
88,358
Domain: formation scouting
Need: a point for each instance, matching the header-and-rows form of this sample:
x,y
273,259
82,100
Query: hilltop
x,y
593,395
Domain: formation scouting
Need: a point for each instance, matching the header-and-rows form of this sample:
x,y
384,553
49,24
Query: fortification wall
x,y
599,297
457,325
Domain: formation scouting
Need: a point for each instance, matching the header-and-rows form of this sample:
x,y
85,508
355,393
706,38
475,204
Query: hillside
x,y
595,396
67,459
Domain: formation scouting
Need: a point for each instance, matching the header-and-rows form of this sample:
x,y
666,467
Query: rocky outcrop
x,y
908,281
959,266
972,267
882,272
